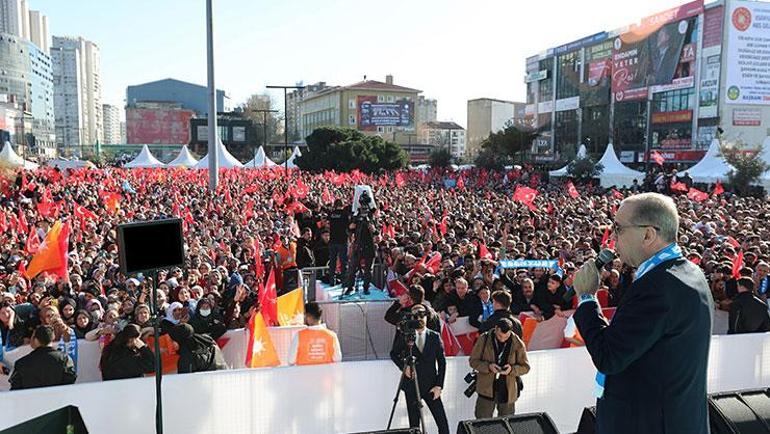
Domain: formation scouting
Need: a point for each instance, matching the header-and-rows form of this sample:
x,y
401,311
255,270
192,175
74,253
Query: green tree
x,y
345,149
748,167
583,169
440,157
500,148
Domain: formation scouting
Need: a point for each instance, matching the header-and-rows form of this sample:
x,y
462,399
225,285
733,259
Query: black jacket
x,y
212,325
545,301
305,257
497,315
45,366
123,362
197,352
654,353
430,363
748,314
339,220
520,303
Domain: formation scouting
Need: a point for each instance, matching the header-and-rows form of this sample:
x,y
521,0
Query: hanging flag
x,y
572,191
697,195
52,254
718,189
260,352
657,157
267,299
737,265
526,196
291,309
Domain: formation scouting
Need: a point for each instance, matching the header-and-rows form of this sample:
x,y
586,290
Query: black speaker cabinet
x,y
742,412
587,423
531,423
150,245
64,420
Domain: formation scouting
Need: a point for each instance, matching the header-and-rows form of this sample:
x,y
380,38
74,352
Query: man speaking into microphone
x,y
652,359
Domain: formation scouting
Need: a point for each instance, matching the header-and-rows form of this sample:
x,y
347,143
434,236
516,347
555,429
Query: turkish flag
x,y
737,265
605,237
460,182
657,158
451,344
400,182
300,189
268,299
526,196
442,227
33,241
572,191
616,194
484,253
718,189
397,288
697,195
679,186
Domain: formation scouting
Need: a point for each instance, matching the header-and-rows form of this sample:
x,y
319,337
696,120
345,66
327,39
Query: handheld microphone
x,y
605,257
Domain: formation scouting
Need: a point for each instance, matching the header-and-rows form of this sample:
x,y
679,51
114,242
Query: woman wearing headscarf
x,y
197,352
67,308
84,323
127,356
208,320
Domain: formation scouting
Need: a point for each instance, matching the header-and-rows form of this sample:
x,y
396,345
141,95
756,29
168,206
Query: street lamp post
x,y
264,127
285,119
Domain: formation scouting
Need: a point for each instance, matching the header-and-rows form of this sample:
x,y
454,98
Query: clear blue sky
x,y
452,50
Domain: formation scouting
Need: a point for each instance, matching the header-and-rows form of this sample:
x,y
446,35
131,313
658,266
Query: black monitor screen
x,y
151,245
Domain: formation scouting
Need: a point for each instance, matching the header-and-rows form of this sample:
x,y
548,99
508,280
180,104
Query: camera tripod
x,y
409,360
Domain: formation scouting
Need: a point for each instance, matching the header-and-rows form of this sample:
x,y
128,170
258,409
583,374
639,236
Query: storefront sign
x,y
567,104
672,117
681,155
627,156
544,107
536,76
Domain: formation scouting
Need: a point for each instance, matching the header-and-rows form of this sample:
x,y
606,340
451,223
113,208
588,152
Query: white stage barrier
x,y
345,397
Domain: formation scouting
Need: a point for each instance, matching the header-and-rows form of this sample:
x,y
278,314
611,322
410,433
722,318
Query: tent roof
x,y
290,162
9,158
62,163
711,167
581,153
184,159
614,172
144,159
226,160
260,160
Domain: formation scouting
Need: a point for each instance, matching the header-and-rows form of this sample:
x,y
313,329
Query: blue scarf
x,y
70,347
672,251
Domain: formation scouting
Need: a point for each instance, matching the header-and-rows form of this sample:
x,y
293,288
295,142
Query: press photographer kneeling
x,y
499,358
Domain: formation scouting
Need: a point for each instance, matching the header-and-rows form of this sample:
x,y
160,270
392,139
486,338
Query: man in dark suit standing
x,y
430,365
748,314
652,359
44,366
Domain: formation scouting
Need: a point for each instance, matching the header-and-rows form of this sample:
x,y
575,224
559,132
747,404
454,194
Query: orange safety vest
x,y
287,257
315,347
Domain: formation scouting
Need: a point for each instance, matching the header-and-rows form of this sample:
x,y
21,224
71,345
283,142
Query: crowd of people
x,y
260,220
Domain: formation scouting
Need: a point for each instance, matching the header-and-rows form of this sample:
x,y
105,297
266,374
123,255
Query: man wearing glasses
x,y
652,359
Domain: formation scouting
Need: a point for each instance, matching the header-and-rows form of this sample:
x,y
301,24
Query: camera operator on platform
x,y
499,357
364,249
652,358
430,365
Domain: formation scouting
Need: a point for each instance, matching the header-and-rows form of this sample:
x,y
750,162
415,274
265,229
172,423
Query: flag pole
x,y
212,115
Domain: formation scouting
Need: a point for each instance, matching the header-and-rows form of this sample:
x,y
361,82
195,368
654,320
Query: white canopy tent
x,y
10,159
712,167
614,172
226,160
765,178
145,159
260,160
184,159
581,153
62,163
290,162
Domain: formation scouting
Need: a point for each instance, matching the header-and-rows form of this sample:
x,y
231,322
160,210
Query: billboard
x,y
373,113
595,88
748,51
158,126
708,103
654,52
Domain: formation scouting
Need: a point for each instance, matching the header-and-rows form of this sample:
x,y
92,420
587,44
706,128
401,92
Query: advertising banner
x,y
595,88
567,104
651,52
747,117
373,114
709,86
158,126
672,117
682,155
580,43
536,76
712,26
748,53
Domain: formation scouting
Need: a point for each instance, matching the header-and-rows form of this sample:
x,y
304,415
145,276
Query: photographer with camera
x,y
499,358
364,249
420,356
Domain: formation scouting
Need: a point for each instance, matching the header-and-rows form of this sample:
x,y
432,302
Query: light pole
x,y
212,136
264,128
285,119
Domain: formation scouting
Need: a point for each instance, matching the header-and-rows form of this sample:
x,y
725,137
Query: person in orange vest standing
x,y
316,344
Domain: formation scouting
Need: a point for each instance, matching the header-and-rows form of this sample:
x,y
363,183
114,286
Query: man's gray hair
x,y
657,210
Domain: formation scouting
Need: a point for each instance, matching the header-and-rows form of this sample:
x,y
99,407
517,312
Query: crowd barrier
x,y
348,396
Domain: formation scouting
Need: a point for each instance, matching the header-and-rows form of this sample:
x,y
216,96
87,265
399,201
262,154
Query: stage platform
x,y
346,397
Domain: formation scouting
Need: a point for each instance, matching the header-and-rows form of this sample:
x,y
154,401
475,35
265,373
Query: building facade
x,y
372,107
240,135
489,115
41,97
426,110
112,121
188,95
667,83
294,101
12,13
446,135
38,30
77,93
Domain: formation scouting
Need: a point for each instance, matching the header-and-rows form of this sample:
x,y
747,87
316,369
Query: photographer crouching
x,y
499,359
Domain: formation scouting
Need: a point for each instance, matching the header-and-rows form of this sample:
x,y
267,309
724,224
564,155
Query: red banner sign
x,y
672,117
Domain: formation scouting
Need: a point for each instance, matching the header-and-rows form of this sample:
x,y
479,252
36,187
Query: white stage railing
x,y
345,397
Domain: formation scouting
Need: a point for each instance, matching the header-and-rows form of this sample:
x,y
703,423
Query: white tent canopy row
x,y
10,159
145,159
614,173
711,168
290,162
184,159
581,153
260,160
226,159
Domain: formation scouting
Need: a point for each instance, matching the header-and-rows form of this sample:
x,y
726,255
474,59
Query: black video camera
x,y
470,378
408,326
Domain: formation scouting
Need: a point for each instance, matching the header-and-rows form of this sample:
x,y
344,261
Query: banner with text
x,y
748,52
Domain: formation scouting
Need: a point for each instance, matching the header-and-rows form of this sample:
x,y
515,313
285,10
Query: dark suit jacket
x,y
748,314
654,353
44,366
430,363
